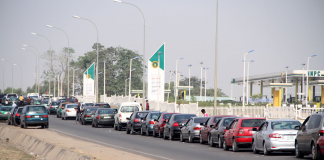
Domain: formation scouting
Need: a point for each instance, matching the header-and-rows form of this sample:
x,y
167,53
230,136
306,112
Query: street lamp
x,y
176,86
68,64
51,68
144,104
244,80
74,16
2,78
61,83
247,85
73,79
307,77
20,75
11,75
201,63
303,83
286,91
205,81
130,76
189,81
126,85
104,91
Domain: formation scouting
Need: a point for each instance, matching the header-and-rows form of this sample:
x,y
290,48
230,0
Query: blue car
x,y
34,115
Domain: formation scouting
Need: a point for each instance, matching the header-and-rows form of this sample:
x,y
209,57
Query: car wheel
x,y
225,147
181,138
314,153
234,146
118,127
210,141
160,134
127,130
220,143
46,126
190,138
298,153
171,137
154,134
147,132
319,153
265,150
254,148
200,139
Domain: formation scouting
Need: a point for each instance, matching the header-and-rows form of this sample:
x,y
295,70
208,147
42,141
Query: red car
x,y
210,124
158,127
239,133
320,143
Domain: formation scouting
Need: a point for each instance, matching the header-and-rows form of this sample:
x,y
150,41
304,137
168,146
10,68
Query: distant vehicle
x,y
33,95
320,148
102,105
47,96
36,101
69,111
172,128
5,112
191,130
149,121
160,123
86,104
275,135
52,107
217,133
60,107
2,98
125,110
34,115
87,114
134,121
104,117
10,98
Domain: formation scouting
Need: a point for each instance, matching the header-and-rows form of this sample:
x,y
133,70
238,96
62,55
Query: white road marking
x,y
113,145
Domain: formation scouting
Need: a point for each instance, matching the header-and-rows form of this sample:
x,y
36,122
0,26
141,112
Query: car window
x,y
208,122
305,123
87,104
105,111
251,122
155,115
182,118
227,121
141,114
45,102
19,110
103,105
217,124
232,124
91,110
235,123
314,121
167,116
36,109
265,126
127,109
216,119
54,103
7,109
282,125
72,106
200,120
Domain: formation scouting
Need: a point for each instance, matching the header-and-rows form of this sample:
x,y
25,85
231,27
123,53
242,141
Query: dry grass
x,y
8,152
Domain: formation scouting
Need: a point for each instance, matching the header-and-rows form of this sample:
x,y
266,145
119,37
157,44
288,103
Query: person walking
x,y
205,113
21,99
147,105
78,112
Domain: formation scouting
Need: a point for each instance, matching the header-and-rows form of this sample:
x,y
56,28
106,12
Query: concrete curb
x,y
37,147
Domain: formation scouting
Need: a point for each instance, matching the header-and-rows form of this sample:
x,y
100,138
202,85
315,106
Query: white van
x,y
33,95
124,111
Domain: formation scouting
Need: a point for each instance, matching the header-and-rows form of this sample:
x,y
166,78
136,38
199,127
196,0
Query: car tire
x,y
220,143
118,127
190,138
171,137
154,134
254,148
127,130
225,147
210,141
298,153
319,153
181,138
234,146
46,126
265,150
160,134
314,153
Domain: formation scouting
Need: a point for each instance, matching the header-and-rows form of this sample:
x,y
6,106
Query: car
x,y
16,118
60,108
239,134
45,102
85,104
172,126
11,115
125,110
320,146
2,98
134,123
69,111
191,130
36,101
208,126
10,98
216,135
87,114
5,112
160,123
104,117
101,105
149,121
275,135
34,115
308,134
52,107
33,95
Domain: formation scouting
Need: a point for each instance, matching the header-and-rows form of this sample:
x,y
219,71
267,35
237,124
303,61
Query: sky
x,y
281,33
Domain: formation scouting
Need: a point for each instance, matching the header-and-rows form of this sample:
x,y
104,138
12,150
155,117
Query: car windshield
x,y
33,96
5,109
36,109
167,116
155,115
284,125
227,121
252,122
216,119
105,111
103,105
12,96
55,103
182,118
141,114
201,120
91,110
72,106
87,104
129,109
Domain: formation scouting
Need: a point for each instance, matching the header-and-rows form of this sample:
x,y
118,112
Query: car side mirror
x,y
211,126
254,129
128,118
297,128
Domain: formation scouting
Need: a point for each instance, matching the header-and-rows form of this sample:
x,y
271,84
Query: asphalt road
x,y
156,148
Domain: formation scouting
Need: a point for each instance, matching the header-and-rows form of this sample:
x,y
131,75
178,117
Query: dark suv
x,y
308,134
172,128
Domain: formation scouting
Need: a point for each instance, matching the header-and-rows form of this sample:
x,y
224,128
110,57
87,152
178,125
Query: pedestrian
x,y
147,105
14,105
205,113
21,99
78,111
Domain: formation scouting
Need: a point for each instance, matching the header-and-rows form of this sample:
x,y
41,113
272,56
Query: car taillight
x,y
17,115
241,131
175,124
136,120
120,115
27,117
275,135
197,128
152,122
87,116
321,133
162,125
98,117
67,110
52,106
45,116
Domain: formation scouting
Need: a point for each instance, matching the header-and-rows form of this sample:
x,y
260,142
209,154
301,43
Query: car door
x,y
233,131
144,122
129,122
260,134
214,131
204,129
185,129
301,135
227,133
312,131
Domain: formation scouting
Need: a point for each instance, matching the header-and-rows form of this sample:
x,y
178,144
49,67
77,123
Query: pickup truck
x,y
124,111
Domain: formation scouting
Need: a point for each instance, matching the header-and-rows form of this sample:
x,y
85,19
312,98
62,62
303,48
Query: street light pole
x,y
2,78
126,86
130,77
37,65
176,85
54,83
144,104
201,63
205,82
97,54
104,91
247,85
189,81
11,75
61,85
244,81
307,77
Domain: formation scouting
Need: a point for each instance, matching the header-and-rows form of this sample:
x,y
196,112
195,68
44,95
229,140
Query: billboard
x,y
88,81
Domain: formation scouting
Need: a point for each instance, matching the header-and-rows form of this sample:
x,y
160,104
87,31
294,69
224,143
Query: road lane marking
x,y
112,145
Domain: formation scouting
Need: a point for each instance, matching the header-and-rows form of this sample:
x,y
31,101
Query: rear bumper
x,y
195,134
150,127
280,145
87,119
176,131
137,126
105,121
4,116
243,139
70,114
52,109
36,123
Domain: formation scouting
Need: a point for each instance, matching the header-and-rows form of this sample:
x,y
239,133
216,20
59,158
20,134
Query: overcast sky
x,y
282,33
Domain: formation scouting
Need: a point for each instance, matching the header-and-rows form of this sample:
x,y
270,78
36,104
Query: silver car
x,y
191,129
275,135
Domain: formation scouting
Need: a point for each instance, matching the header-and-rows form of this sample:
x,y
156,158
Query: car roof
x,y
183,114
279,120
250,118
225,116
91,107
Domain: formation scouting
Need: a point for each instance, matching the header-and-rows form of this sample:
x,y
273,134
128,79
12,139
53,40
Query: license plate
x,y
289,138
36,116
106,117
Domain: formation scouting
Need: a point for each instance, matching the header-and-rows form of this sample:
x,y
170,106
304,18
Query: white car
x,y
124,111
69,111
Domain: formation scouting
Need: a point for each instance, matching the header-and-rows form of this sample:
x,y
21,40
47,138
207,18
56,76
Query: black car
x,y
134,123
16,116
101,105
104,116
217,134
12,115
149,121
172,127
